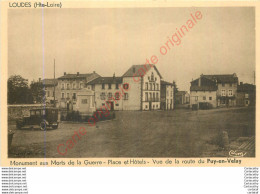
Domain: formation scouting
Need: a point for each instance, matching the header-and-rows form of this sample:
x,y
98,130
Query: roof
x,y
133,71
75,76
224,78
203,88
166,83
106,80
50,82
246,88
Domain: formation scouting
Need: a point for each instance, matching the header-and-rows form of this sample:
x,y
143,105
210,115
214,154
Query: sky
x,y
111,40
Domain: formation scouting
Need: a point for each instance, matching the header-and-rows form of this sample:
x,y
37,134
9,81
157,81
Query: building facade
x,y
167,95
144,87
50,87
246,94
109,92
182,97
217,90
69,85
203,90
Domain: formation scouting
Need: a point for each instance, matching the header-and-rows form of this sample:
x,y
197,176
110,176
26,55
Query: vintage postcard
x,y
129,84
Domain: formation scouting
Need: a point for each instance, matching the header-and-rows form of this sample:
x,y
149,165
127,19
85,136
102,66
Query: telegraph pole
x,y
54,86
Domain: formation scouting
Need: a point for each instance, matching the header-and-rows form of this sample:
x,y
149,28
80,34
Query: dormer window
x,y
152,77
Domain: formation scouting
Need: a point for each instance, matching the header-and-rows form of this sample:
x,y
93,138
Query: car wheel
x,y
43,125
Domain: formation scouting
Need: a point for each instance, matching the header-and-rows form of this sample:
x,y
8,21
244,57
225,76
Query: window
x,y
204,97
53,94
43,112
126,86
246,95
74,86
230,92
223,101
32,113
68,95
117,95
48,93
146,86
210,98
109,86
126,96
62,86
62,95
152,77
223,85
103,86
247,102
103,96
223,92
74,96
117,104
150,96
37,112
109,95
81,85
68,86
171,94
196,98
157,86
153,96
146,96
151,86
84,101
117,86
167,93
157,96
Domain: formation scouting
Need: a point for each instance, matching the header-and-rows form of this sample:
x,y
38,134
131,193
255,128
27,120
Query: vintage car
x,y
43,117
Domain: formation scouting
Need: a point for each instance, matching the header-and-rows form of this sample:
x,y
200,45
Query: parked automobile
x,y
43,117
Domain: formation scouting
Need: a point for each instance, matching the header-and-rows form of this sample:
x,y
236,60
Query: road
x,y
178,133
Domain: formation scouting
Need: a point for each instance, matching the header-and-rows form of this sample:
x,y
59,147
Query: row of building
x,y
142,87
221,91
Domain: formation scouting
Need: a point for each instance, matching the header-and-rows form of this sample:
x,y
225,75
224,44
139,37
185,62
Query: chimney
x,y
77,73
40,79
94,72
64,73
241,83
199,81
114,76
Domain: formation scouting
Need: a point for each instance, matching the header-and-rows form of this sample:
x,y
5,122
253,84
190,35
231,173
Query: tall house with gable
x,y
144,87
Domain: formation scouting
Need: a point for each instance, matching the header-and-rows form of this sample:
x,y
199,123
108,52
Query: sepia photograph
x,y
137,82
